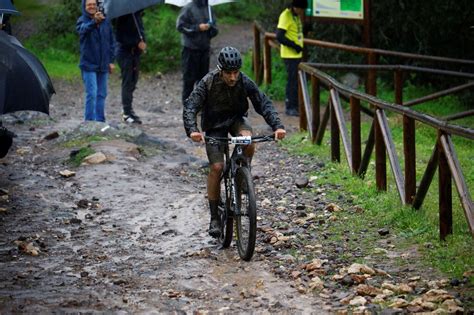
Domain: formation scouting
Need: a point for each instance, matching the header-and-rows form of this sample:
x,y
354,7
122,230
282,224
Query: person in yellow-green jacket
x,y
290,35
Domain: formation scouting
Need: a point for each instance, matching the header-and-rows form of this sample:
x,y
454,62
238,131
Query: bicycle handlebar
x,y
241,140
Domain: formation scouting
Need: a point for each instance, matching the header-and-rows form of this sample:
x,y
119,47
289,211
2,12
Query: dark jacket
x,y
129,31
221,104
188,21
96,43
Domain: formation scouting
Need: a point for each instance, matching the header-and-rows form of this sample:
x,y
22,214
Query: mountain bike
x,y
237,200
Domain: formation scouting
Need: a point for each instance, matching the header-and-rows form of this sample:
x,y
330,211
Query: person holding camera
x,y
196,28
96,58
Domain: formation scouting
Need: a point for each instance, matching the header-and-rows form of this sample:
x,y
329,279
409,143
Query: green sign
x,y
343,9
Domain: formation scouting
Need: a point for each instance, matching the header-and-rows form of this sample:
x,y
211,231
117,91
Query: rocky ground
x,y
127,233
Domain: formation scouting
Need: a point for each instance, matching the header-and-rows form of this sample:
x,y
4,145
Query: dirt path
x,y
129,235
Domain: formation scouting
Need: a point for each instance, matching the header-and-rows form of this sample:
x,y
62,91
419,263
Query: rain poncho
x,y
221,104
188,21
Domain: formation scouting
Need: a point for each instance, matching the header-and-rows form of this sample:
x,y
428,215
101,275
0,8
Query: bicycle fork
x,y
234,167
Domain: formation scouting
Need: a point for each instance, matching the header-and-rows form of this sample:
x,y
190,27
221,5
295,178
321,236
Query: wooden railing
x,y
262,62
443,158
380,138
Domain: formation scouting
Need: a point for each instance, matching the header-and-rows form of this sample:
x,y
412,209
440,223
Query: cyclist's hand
x,y
280,134
197,136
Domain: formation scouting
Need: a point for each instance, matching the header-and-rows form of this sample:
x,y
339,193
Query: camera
x,y
100,6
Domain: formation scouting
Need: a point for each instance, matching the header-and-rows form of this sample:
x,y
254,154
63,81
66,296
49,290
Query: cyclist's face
x,y
230,76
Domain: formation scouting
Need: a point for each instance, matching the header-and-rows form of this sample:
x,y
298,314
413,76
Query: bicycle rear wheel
x,y
227,222
246,214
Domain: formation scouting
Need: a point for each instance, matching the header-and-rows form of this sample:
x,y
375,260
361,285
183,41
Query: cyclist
x,y
221,97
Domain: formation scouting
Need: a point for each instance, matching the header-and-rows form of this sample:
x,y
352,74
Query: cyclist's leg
x,y
242,127
215,155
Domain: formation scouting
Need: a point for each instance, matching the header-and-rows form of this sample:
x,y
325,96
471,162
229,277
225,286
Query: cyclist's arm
x,y
262,104
192,106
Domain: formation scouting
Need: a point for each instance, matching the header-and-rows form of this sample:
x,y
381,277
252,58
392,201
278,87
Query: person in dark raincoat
x,y
130,37
221,97
97,57
196,28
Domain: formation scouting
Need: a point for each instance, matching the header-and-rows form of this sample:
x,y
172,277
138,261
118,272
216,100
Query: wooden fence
x,y
380,138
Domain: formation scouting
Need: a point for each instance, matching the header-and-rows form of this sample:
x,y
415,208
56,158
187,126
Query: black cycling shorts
x,y
215,152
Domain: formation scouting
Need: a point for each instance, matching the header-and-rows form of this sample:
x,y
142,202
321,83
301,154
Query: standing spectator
x,y
197,29
290,36
97,56
130,36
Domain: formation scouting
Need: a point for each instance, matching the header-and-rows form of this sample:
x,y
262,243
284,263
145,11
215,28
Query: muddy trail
x,y
127,234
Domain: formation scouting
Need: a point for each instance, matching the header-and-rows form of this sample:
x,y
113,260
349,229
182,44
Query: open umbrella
x,y
6,7
24,82
182,3
116,8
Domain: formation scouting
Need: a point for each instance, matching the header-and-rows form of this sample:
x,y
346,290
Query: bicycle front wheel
x,y
227,222
246,213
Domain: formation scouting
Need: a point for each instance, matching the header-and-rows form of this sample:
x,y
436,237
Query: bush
x,y
163,41
244,10
61,19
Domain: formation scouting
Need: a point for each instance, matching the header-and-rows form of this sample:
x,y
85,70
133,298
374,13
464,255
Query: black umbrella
x,y
7,7
116,8
24,82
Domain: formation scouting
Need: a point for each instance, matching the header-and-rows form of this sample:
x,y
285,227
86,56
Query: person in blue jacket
x,y
97,57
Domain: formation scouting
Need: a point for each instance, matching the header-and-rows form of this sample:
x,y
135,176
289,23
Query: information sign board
x,y
343,9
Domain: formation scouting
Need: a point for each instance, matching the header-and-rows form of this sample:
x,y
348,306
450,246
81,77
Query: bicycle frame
x,y
239,192
232,164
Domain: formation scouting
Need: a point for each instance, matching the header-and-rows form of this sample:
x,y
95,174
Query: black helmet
x,y
229,59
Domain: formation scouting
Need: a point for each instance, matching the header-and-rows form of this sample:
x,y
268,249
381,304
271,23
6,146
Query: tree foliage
x,y
436,27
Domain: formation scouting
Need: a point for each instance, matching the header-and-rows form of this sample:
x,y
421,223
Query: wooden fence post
x,y
267,61
380,157
257,54
335,142
445,194
409,136
303,120
316,102
371,82
355,133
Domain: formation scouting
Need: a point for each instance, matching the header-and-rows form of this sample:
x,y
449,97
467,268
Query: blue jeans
x,y
95,84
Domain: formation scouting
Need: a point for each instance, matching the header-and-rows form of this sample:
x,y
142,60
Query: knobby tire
x,y
247,220
227,222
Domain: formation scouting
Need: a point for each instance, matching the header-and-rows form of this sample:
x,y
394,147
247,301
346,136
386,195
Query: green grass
x,y
234,13
76,159
82,141
163,40
58,55
59,52
385,210
29,9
